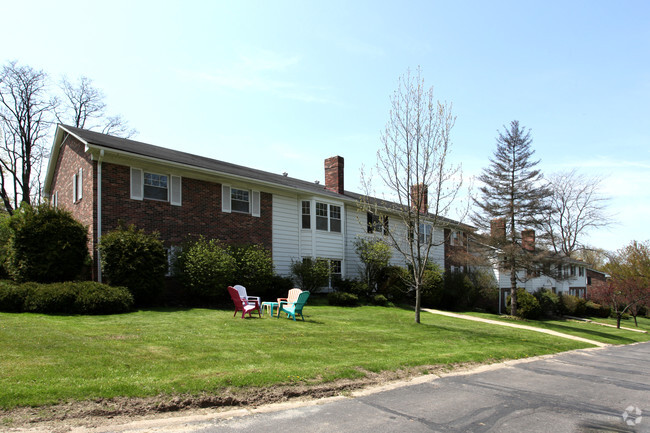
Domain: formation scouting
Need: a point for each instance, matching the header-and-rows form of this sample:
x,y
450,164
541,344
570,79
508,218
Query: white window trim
x,y
77,186
137,183
175,192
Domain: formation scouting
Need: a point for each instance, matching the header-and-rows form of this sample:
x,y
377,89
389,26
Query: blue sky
x,y
280,86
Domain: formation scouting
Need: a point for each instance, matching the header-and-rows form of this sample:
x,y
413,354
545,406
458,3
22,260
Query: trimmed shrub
x,y
310,274
47,245
206,268
391,282
12,297
527,305
342,299
135,260
572,305
254,268
549,302
380,300
593,309
86,297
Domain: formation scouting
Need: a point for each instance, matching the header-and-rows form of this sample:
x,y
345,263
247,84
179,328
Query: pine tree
x,y
512,197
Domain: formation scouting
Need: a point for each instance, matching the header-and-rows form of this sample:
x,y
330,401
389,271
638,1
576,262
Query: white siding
x,y
286,233
356,227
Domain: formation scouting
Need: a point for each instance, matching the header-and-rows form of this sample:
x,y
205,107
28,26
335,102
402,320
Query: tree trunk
x,y
417,303
513,291
618,320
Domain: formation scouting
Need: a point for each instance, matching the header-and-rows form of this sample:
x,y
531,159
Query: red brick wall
x,y
200,213
73,156
455,255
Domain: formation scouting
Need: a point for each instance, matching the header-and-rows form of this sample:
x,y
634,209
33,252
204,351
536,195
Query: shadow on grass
x,y
605,335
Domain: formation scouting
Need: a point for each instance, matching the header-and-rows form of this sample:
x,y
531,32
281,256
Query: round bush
x,y
254,268
380,300
549,302
135,260
342,299
47,245
527,305
207,268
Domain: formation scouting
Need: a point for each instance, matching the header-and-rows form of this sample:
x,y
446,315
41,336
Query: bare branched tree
x,y
25,118
414,169
83,106
576,207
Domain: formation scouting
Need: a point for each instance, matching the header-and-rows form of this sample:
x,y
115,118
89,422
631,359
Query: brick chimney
x,y
528,239
498,228
420,198
334,174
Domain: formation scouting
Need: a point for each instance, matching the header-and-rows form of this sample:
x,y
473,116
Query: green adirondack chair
x,y
296,307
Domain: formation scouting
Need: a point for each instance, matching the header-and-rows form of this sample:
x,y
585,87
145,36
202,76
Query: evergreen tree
x,y
512,197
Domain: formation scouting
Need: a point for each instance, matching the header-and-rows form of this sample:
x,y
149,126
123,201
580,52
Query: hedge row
x,y
86,297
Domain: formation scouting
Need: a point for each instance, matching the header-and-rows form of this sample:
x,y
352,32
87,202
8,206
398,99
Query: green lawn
x,y
591,331
48,359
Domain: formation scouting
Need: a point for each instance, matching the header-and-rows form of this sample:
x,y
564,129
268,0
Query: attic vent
x,y
317,182
285,174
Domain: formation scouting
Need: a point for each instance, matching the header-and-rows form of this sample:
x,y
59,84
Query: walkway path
x,y
515,325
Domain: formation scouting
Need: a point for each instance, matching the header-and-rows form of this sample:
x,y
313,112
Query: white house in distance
x,y
574,272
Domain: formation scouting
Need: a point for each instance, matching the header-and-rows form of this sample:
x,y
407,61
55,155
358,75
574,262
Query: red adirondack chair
x,y
243,305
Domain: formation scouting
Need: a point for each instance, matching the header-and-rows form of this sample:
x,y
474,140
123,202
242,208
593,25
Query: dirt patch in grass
x,y
69,416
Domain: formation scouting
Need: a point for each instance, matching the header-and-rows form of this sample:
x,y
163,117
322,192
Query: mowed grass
x,y
50,359
591,331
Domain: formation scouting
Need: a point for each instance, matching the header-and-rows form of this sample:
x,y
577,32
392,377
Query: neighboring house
x,y
104,180
595,280
571,274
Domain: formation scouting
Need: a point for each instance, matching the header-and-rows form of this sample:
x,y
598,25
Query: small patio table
x,y
270,306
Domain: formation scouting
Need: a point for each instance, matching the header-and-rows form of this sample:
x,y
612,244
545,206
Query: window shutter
x,y
80,187
74,187
175,193
256,206
225,199
136,184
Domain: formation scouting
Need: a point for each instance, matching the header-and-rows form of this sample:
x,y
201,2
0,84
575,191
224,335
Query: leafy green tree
x,y
375,255
46,245
207,268
512,192
629,286
254,267
310,274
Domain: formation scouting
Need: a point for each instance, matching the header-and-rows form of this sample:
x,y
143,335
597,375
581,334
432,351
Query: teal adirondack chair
x,y
296,307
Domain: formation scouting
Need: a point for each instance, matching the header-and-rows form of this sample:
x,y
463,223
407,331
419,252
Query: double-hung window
x,y
377,224
321,217
328,217
240,200
306,214
425,232
156,186
335,218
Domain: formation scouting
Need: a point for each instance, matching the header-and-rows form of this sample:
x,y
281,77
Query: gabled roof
x,y
98,140
109,143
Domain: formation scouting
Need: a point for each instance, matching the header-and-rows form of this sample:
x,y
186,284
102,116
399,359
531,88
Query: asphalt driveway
x,y
592,390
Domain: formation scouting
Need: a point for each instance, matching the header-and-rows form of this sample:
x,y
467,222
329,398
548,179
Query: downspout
x,y
99,213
